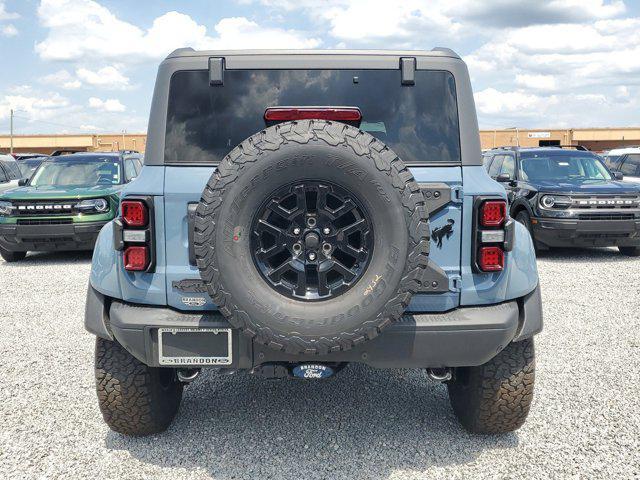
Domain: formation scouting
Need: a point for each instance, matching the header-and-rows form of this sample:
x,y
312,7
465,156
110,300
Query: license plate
x,y
194,346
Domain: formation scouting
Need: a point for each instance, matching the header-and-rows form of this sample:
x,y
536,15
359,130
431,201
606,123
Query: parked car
x,y
568,198
273,231
625,161
9,173
29,165
64,204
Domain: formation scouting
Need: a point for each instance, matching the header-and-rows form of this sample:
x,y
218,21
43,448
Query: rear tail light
x,y
136,259
134,234
134,213
493,234
493,213
339,114
491,259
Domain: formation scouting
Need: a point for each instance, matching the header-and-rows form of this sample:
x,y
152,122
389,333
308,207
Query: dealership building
x,y
596,139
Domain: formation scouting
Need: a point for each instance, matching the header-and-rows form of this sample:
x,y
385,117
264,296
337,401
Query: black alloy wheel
x,y
311,240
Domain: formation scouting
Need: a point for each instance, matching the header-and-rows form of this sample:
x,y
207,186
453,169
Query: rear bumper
x,y
586,233
461,337
72,236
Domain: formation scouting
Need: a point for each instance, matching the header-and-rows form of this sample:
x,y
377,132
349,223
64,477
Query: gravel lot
x,y
361,424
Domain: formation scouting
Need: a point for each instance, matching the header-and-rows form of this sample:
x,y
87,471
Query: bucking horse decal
x,y
443,232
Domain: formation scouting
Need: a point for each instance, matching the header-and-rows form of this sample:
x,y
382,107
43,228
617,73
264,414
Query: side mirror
x,y
23,181
503,178
618,175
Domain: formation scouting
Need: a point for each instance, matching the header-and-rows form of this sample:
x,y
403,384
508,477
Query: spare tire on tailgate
x,y
311,237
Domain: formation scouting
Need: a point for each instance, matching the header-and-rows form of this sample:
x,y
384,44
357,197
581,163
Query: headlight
x,y
555,201
5,208
96,204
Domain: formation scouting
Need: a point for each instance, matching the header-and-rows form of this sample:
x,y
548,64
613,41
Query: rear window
x,y
420,122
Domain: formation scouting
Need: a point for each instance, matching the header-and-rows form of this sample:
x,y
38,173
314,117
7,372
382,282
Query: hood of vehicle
x,y
605,187
53,192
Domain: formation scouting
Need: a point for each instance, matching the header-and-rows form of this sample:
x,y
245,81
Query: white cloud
x,y
61,79
8,30
84,29
89,128
4,15
109,105
536,82
33,106
106,77
492,101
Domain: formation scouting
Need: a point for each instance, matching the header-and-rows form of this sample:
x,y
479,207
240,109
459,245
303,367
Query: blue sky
x,y
84,65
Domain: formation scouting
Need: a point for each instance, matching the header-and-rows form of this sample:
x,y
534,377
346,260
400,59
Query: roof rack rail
x,y
577,147
506,147
66,151
128,151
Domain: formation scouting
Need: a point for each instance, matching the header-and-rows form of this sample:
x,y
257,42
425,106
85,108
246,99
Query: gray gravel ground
x,y
362,424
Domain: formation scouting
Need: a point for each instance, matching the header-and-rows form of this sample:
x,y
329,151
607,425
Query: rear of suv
x,y
566,197
302,210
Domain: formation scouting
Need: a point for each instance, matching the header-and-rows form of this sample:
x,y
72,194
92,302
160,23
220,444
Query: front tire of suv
x,y
134,399
495,397
12,256
630,251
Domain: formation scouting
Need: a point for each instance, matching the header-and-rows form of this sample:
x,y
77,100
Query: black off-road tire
x,y
630,251
495,397
313,150
524,218
134,399
9,257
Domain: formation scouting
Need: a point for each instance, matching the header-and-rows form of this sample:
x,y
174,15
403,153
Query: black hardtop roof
x,y
435,52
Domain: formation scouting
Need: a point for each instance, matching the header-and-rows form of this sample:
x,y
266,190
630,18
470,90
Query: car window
x,y
76,171
13,171
496,166
138,165
130,171
486,161
509,166
577,167
612,161
419,123
631,165
3,176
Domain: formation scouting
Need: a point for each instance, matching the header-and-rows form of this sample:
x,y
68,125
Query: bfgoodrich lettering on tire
x,y
311,237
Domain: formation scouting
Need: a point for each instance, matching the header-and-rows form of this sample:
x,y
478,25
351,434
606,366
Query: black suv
x,y
567,197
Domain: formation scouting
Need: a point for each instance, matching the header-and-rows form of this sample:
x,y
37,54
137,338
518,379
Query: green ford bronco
x,y
65,203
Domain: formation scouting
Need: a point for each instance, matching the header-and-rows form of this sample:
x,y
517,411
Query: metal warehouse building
x,y
596,139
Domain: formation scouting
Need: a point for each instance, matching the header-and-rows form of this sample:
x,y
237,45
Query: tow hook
x,y
187,375
439,374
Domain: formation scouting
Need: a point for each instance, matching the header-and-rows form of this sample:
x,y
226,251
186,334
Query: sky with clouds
x,y
89,65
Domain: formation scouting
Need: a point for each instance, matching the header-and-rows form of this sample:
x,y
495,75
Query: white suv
x,y
625,161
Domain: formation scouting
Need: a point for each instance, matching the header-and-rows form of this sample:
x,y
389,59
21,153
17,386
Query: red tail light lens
x,y
491,259
134,213
285,114
136,259
493,213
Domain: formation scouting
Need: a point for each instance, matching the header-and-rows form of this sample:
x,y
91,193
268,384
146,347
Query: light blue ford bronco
x,y
301,210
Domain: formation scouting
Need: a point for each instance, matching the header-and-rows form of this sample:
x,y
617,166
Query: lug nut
x,y
312,256
326,248
326,230
297,247
311,222
296,231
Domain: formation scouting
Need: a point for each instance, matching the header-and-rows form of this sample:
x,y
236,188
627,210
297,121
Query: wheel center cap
x,y
312,240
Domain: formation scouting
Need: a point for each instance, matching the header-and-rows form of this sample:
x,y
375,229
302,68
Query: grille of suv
x,y
606,216
33,221
590,202
29,208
